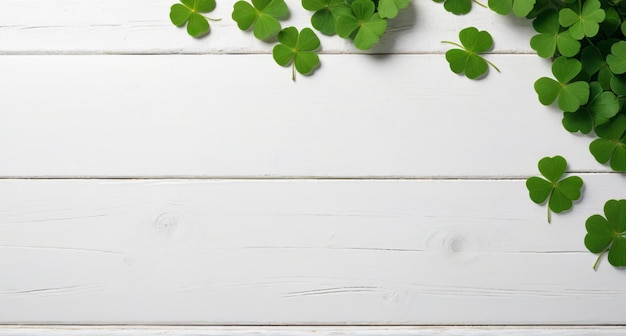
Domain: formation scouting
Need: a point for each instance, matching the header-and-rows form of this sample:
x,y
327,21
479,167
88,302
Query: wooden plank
x,y
309,331
383,252
142,26
242,116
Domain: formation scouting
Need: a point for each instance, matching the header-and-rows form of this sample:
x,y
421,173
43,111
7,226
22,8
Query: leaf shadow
x,y
396,27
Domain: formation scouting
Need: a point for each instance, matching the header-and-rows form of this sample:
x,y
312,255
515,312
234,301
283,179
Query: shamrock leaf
x,y
297,49
520,8
603,105
389,8
608,234
570,95
363,23
561,193
264,16
458,7
188,12
550,37
580,120
467,59
617,58
611,145
326,13
584,23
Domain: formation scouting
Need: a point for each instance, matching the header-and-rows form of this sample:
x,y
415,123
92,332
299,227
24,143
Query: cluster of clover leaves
x,y
585,39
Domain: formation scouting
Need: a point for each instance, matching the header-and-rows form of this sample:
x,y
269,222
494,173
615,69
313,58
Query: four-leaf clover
x,y
264,16
560,193
188,12
467,59
297,49
608,234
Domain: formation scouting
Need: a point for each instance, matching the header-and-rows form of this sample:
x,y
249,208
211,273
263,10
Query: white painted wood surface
x,y
193,183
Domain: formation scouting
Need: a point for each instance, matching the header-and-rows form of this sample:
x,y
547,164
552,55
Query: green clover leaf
x,y
611,145
561,193
550,36
467,59
188,12
520,8
326,13
297,49
363,23
617,58
264,16
389,8
580,120
608,234
603,105
458,7
584,23
570,95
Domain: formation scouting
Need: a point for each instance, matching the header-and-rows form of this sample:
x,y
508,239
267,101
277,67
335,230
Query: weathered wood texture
x,y
162,188
310,331
299,252
143,27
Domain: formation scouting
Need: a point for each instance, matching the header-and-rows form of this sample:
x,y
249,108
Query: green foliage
x,y
297,49
363,24
611,145
560,192
263,14
388,9
551,36
520,8
326,13
585,22
458,7
467,59
608,234
189,12
570,95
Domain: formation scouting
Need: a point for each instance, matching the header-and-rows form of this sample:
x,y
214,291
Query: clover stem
x,y
212,19
549,214
595,265
479,4
454,44
493,65
293,71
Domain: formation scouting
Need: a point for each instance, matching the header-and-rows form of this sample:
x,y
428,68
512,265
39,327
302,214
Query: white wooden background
x,y
149,178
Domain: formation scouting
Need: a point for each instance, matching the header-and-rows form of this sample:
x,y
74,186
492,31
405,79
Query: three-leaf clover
x,y
326,13
188,12
551,38
611,145
297,49
570,95
389,8
584,23
617,58
520,8
264,16
561,193
608,234
364,23
467,59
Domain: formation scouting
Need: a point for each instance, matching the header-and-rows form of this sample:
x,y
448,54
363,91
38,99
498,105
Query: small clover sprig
x,y
608,235
467,59
298,49
190,12
559,192
262,14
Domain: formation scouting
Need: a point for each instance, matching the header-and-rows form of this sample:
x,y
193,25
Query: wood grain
x,y
242,116
316,252
143,27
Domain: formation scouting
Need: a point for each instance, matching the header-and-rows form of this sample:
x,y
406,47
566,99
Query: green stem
x,y
293,71
595,265
493,65
212,19
454,44
479,4
549,214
